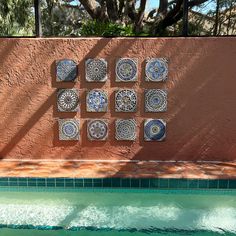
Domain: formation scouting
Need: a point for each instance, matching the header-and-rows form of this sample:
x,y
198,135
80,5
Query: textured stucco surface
x,y
201,98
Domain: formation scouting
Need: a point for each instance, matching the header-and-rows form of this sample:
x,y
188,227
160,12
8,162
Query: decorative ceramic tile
x,y
66,70
67,100
125,129
155,100
156,69
154,130
97,101
96,70
68,129
126,100
126,70
97,129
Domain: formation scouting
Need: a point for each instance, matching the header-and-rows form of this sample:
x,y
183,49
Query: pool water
x,y
123,213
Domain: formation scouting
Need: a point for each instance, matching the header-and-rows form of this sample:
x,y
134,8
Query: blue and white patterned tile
x,y
125,129
67,100
126,70
156,69
154,130
125,100
97,129
66,71
69,129
97,101
155,100
96,70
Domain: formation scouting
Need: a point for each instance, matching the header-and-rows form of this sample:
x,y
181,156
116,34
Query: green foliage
x,y
16,17
96,28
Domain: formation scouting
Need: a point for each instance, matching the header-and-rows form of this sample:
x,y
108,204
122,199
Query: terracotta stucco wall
x,y
201,116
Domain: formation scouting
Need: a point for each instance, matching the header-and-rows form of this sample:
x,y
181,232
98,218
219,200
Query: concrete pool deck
x,y
123,169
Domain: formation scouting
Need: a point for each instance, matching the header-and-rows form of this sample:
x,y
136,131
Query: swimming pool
x,y
123,212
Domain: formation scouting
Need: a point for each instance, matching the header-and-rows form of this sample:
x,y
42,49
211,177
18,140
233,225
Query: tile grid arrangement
x,y
156,70
138,183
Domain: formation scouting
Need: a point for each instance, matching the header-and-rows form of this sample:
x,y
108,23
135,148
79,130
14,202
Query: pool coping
x,y
117,169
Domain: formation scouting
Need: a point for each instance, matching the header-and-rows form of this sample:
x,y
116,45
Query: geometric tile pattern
x,y
66,71
97,129
125,100
154,130
155,100
156,69
97,101
126,70
67,100
125,129
68,129
96,70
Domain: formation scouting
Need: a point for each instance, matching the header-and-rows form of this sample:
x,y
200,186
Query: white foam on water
x,y
26,214
115,217
219,220
124,217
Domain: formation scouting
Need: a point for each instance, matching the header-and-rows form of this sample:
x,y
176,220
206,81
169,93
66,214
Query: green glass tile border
x,y
116,183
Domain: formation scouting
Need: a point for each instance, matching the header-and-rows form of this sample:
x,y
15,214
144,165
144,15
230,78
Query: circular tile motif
x,y
126,100
155,100
66,70
154,130
97,101
126,70
97,130
69,130
126,129
96,70
67,100
156,69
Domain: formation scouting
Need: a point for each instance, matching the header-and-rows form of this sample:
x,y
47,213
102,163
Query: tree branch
x,y
140,15
91,7
163,6
112,9
130,9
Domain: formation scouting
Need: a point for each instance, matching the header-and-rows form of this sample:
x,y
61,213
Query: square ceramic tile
x,y
67,100
126,70
155,100
66,70
96,70
68,129
97,101
97,129
156,69
125,129
125,100
154,130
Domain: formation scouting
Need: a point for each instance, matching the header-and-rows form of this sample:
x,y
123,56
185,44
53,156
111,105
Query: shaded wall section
x,y
201,98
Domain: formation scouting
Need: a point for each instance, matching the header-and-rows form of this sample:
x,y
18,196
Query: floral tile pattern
x,y
125,129
68,129
66,71
67,100
125,100
97,129
156,69
155,100
96,70
154,130
97,100
126,70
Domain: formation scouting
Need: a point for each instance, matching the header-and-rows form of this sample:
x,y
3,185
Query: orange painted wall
x,y
201,116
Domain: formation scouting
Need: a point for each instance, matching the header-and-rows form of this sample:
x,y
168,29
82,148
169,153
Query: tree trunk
x,y
215,32
139,17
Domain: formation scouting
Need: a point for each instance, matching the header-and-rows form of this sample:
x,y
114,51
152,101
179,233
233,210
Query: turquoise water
x,y
122,213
